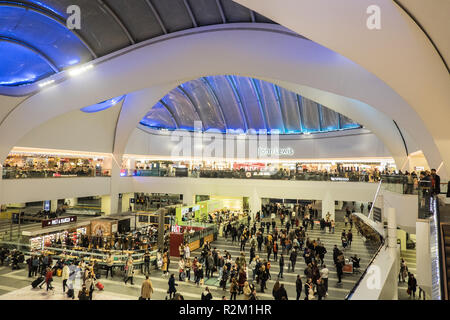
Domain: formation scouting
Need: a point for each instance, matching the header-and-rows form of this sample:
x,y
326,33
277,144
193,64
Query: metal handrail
x,y
350,294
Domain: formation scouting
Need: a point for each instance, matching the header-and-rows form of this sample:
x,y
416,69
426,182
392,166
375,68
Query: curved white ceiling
x,y
269,52
399,54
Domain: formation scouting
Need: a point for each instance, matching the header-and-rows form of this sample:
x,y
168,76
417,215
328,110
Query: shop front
x,y
40,238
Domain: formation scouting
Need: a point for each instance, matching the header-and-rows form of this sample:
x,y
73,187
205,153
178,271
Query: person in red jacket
x,y
49,278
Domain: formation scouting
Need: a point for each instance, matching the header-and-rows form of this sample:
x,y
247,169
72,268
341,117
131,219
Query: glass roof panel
x,y
181,106
43,34
271,105
238,104
329,119
229,102
289,105
206,103
310,116
159,117
250,102
20,65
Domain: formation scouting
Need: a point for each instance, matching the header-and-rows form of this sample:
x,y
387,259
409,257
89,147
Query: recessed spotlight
x,y
46,83
79,70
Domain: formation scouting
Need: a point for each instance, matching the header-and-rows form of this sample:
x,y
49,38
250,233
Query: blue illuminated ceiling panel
x,y
159,117
20,65
45,39
237,104
102,105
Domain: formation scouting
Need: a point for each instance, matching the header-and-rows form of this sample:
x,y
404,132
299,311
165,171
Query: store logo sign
x,y
275,151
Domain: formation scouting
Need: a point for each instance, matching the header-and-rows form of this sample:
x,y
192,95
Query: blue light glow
x,y
102,105
244,103
51,46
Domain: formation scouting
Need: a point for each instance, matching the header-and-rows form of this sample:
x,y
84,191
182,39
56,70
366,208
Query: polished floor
x,y
16,285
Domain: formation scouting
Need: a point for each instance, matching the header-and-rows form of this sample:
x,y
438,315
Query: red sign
x,y
58,221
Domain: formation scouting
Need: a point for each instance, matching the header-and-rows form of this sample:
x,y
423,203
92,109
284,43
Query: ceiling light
x,y
79,70
46,83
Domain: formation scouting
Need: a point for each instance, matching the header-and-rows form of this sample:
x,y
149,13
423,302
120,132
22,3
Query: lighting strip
x,y
55,152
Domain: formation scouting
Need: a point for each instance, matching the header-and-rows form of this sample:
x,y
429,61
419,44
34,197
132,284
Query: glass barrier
x,y
96,256
8,173
280,175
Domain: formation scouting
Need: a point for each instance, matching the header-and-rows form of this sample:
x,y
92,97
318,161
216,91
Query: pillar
x,y
188,198
255,204
126,202
53,205
392,244
106,204
328,206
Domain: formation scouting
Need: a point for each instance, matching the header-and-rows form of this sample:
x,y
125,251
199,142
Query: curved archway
x,y
268,51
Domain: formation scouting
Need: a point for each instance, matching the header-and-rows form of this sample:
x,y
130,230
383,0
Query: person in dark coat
x,y
172,285
280,274
298,287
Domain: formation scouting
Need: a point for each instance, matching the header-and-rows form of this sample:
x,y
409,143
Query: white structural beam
x,y
398,52
284,55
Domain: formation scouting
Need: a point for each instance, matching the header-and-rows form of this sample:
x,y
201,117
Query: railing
x,y
381,242
8,173
278,175
119,256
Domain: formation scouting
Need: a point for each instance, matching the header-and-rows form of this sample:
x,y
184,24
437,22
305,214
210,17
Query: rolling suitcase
x,y
99,286
37,282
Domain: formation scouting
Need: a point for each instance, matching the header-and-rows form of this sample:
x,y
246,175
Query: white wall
x,y
343,144
384,272
406,207
29,190
423,256
346,191
76,130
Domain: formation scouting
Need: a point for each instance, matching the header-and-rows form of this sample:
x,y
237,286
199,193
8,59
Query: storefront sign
x,y
176,229
275,151
59,221
339,179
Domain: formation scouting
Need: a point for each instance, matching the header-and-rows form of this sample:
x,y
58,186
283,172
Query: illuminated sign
x,y
275,151
59,221
339,179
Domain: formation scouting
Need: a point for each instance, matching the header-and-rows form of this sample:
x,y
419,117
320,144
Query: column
x,y
106,204
188,198
392,244
53,205
328,206
255,204
126,202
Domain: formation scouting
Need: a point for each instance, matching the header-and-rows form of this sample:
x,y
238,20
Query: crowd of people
x,y
267,244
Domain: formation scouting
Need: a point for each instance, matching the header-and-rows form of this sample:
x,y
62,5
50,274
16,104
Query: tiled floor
x,y
16,285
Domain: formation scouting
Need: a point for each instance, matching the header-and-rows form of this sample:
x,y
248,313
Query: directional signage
x,y
376,214
58,221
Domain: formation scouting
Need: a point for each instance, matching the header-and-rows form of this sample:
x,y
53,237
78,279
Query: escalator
x,y
445,242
